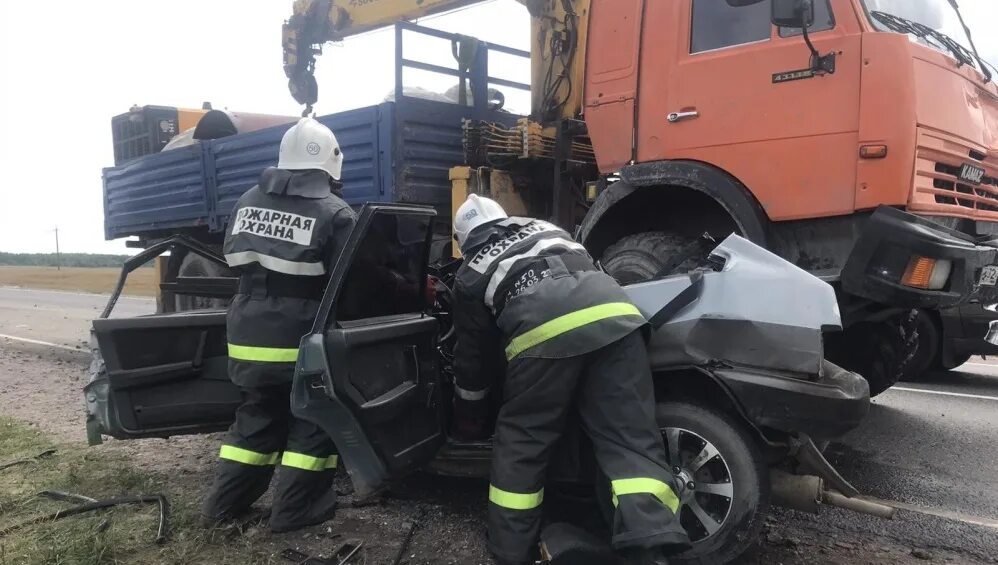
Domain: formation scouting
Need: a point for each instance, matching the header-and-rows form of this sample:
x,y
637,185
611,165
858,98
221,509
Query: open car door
x,y
369,372
163,374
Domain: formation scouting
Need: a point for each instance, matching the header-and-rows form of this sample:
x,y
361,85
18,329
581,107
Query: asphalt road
x,y
59,318
930,447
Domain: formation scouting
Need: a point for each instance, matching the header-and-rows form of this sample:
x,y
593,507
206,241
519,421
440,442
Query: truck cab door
x,y
730,89
369,372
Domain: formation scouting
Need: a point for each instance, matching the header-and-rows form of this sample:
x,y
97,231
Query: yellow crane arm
x,y
558,52
315,22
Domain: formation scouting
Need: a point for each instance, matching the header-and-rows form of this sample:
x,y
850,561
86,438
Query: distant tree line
x,y
65,259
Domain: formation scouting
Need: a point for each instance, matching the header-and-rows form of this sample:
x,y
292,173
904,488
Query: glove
x,y
470,420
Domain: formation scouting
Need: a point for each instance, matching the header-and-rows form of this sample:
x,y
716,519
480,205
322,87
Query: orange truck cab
x,y
873,164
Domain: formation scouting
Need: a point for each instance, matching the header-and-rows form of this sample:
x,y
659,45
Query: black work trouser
x,y
613,390
264,435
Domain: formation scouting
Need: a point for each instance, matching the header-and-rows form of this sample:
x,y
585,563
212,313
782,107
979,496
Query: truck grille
x,y
938,187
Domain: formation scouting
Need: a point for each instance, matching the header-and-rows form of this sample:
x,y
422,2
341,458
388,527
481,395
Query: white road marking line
x,y
39,342
984,365
941,393
72,293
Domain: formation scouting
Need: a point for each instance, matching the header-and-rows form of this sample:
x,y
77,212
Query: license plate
x,y
989,275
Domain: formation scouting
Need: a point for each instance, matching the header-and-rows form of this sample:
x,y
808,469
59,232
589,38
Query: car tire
x,y
194,265
642,256
880,351
742,461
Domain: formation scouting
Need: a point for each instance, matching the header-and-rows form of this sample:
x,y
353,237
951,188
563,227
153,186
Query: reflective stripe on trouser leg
x,y
247,457
653,487
252,449
617,408
304,495
307,462
515,500
538,395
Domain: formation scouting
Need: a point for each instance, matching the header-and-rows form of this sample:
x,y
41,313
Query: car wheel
x,y
725,509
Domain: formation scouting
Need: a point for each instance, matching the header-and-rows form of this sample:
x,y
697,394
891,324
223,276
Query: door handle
x,y
414,352
680,116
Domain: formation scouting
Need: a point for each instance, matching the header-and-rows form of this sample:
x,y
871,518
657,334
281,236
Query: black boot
x,y
302,499
641,556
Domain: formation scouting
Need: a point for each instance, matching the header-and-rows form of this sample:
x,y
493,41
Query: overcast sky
x,y
67,69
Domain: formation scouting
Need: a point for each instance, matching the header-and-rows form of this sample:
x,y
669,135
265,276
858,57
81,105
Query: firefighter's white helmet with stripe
x,y
476,211
311,145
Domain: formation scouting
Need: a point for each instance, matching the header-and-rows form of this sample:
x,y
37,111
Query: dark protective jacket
x,y
527,289
283,239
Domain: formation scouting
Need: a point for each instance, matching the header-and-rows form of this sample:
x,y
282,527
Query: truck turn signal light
x,y
930,274
873,151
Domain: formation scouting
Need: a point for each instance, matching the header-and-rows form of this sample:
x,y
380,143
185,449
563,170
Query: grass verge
x,y
121,535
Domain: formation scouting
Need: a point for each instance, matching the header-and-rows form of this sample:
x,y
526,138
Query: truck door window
x,y
387,274
717,25
824,20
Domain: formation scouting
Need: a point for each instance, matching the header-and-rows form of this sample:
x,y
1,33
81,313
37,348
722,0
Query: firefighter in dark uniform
x,y
284,236
530,298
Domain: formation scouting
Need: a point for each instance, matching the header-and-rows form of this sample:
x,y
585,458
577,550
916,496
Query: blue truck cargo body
x,y
393,152
399,151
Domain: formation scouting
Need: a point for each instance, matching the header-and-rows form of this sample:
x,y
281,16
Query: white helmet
x,y
476,211
311,145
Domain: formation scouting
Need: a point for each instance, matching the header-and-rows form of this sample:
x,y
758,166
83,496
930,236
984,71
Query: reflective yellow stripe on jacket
x,y
263,354
567,323
654,487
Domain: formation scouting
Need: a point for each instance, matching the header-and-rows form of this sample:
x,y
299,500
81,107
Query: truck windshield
x,y
930,22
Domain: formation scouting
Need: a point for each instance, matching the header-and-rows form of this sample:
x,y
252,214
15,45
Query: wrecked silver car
x,y
736,348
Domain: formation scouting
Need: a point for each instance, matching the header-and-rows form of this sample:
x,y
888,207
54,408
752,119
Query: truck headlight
x,y
923,272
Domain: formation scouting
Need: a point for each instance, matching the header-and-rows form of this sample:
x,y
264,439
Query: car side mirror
x,y
792,13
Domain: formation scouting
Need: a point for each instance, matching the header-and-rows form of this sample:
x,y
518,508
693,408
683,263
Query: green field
x,y
142,282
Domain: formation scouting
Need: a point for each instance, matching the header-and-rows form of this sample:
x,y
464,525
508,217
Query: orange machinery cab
x,y
713,88
705,81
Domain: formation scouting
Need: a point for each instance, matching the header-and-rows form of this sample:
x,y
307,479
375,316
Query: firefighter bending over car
x,y
530,298
284,237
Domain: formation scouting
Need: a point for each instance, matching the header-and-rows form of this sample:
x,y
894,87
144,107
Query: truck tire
x,y
738,466
928,354
641,256
880,351
194,265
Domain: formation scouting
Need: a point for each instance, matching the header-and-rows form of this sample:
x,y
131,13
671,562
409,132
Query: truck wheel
x,y
641,256
726,509
194,265
880,351
927,355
